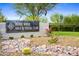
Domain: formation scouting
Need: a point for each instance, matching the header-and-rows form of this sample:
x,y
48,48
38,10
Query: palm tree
x,y
33,9
42,19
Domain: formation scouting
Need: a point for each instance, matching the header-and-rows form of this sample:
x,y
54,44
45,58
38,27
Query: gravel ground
x,y
66,46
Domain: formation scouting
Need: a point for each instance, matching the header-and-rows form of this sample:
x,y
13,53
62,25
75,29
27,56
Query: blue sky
x,y
62,8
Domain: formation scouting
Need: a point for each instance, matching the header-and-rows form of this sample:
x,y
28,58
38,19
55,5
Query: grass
x,y
66,33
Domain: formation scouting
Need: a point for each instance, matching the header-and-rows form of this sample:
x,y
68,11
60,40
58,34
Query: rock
x,y
11,46
33,49
39,48
49,53
68,48
77,51
5,47
43,46
74,48
14,43
5,42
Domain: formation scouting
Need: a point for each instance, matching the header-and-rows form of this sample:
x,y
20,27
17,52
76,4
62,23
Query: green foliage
x,y
2,17
64,27
11,38
57,19
36,18
31,36
53,40
72,19
43,19
22,36
65,23
33,9
30,18
26,51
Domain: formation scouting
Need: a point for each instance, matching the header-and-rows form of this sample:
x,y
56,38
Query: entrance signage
x,y
22,26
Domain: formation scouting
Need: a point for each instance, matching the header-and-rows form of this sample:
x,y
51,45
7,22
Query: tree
x,y
75,19
72,20
43,19
2,17
33,9
57,19
67,20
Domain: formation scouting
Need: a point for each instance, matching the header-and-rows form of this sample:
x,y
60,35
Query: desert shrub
x,y
22,36
11,38
31,36
53,40
26,51
39,36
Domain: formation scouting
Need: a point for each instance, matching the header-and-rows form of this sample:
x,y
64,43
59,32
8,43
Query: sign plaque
x,y
22,26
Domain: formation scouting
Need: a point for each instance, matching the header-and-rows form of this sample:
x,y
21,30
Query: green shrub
x,y
31,36
22,36
53,40
26,51
11,38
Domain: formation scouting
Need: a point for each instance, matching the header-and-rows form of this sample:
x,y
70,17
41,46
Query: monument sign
x,y
22,26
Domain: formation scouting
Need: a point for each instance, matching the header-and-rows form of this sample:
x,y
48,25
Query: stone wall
x,y
41,32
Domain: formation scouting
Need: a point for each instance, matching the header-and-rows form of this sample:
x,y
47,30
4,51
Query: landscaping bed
x,y
66,46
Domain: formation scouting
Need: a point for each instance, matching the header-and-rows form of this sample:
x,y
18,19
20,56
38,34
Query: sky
x,y
63,8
